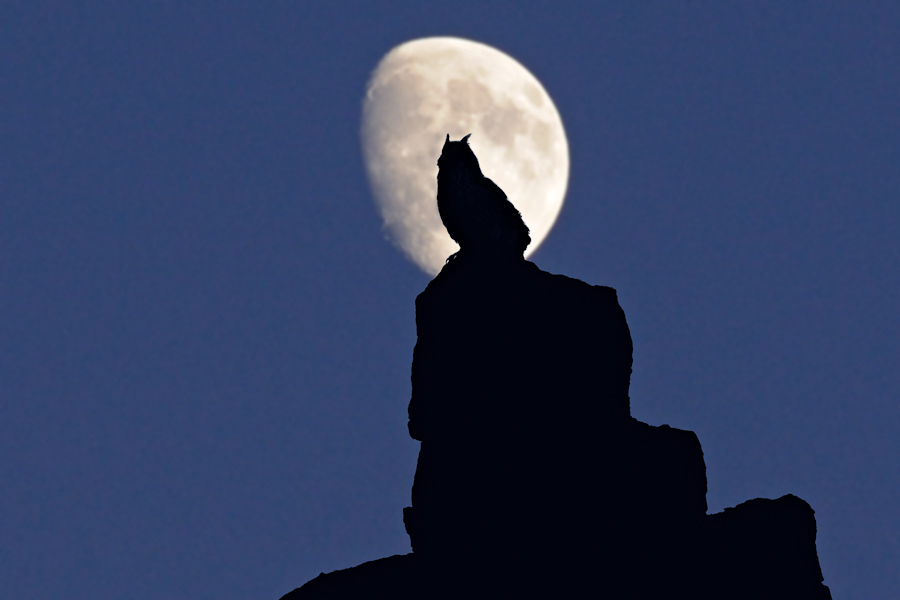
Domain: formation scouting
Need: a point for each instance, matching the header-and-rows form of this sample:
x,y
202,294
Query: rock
x,y
534,480
765,549
394,577
516,375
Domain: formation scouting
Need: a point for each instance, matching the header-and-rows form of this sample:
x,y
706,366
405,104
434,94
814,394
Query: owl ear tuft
x,y
465,139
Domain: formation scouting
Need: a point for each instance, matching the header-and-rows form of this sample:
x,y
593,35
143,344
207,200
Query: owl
x,y
474,209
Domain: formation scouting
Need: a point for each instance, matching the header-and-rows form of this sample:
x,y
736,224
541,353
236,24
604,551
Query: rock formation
x,y
534,480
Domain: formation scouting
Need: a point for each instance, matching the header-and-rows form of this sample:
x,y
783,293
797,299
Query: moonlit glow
x,y
424,89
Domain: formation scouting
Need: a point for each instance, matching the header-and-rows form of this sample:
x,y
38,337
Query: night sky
x,y
205,338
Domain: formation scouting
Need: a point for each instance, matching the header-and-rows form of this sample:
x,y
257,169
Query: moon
x,y
427,88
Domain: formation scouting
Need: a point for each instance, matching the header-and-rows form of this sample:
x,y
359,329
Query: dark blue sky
x,y
205,339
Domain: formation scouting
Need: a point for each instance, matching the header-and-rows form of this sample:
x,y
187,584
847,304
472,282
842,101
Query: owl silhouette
x,y
474,209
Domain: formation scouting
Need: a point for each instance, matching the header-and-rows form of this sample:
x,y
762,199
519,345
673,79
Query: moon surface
x,y
423,90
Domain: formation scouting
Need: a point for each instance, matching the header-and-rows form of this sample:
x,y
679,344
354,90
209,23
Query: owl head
x,y
456,155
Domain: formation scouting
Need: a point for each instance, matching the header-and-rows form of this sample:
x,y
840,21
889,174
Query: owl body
x,y
474,209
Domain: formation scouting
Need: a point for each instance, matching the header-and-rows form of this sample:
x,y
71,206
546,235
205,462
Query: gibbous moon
x,y
424,89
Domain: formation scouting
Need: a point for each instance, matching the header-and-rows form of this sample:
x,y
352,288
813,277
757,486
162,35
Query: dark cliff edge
x,y
533,479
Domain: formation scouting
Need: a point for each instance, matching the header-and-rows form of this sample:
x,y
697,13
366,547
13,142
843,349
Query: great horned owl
x,y
474,210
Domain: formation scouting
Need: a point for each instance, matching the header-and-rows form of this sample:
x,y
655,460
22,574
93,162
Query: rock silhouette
x,y
533,479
